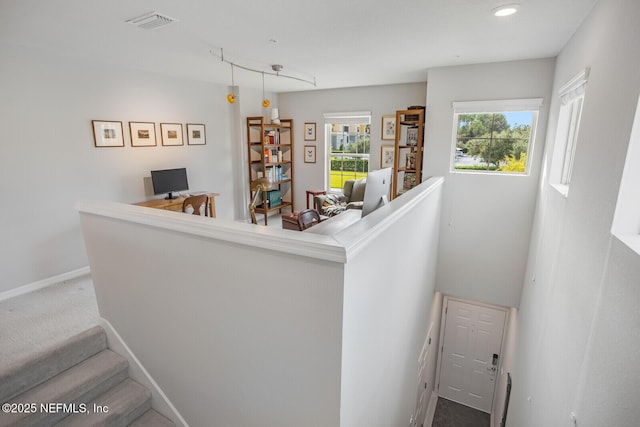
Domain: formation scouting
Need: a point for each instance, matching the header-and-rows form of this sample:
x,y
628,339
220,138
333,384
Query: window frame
x,y
571,96
495,107
348,118
626,220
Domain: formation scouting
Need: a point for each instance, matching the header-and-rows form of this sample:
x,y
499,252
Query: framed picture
x,y
386,156
143,134
195,134
309,131
171,133
388,127
309,153
107,133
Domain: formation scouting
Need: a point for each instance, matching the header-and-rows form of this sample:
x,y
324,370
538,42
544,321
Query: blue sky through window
x,y
519,117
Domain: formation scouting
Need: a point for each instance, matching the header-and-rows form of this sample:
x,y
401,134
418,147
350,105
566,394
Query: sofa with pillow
x,y
334,203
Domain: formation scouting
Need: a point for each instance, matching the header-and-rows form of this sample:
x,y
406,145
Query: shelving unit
x,y
409,146
271,155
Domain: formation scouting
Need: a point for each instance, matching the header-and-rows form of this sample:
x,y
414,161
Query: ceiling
x,y
337,43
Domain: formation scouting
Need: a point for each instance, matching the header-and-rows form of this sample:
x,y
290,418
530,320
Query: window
x,y
494,136
626,221
571,99
348,144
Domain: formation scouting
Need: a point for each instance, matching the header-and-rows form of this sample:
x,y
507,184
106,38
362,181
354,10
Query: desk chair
x,y
308,218
196,203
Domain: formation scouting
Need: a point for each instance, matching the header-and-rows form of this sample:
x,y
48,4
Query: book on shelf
x,y
273,155
274,173
271,137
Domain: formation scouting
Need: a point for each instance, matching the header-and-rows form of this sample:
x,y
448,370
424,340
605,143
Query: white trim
x,y
159,400
287,241
338,247
431,409
497,106
562,189
574,87
350,117
21,290
626,218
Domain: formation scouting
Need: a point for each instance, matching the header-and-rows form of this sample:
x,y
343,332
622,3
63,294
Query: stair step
x,y
152,418
77,385
125,403
25,374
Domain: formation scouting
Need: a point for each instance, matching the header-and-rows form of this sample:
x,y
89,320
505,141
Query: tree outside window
x,y
496,141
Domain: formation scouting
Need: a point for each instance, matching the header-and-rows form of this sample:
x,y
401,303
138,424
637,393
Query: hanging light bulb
x,y
265,101
231,97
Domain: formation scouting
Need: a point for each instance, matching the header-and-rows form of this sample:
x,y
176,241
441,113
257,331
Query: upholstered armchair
x,y
334,203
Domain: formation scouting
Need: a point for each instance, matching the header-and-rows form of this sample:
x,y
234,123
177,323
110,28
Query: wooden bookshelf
x,y
271,155
409,147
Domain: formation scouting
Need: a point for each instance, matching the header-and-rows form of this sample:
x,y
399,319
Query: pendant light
x,y
265,101
231,97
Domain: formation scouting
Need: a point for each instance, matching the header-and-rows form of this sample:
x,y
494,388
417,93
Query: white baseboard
x,y
431,409
159,401
30,287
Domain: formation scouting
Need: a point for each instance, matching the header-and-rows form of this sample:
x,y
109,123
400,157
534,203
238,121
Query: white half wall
x,y
486,218
388,304
245,325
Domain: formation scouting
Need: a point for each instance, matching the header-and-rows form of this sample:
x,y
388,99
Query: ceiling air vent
x,y
151,21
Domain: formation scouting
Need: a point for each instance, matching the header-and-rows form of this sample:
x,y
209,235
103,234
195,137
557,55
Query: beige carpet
x,y
35,321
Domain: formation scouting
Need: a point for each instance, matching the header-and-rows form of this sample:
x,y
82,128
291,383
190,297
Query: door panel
x,y
472,335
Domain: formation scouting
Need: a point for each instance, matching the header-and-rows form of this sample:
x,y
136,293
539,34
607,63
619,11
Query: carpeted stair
x,y
76,381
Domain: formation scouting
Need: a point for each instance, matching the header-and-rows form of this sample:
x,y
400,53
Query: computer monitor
x,y
168,181
376,192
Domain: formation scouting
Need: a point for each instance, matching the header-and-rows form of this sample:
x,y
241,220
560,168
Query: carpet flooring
x,y
38,320
452,414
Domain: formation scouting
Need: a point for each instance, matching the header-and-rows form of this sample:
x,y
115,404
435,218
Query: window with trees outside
x,y
348,146
494,136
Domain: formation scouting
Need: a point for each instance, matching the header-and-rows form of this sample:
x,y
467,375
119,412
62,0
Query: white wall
x,y
310,106
49,162
486,218
262,326
388,299
235,334
578,341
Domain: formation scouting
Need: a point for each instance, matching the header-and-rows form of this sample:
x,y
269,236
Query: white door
x,y
470,354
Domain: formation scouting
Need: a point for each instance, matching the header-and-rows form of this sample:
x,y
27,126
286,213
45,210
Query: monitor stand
x,y
170,196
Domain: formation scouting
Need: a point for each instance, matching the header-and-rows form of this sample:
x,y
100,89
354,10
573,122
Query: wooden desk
x,y
176,204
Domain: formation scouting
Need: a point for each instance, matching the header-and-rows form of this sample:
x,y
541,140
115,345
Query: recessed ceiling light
x,y
505,10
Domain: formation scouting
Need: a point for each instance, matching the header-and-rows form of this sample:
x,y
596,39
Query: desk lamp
x,y
259,185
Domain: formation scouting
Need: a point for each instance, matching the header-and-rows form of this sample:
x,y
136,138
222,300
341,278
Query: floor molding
x,y
30,287
137,372
431,409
